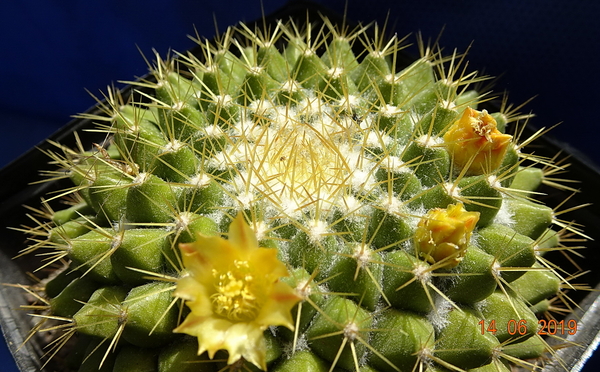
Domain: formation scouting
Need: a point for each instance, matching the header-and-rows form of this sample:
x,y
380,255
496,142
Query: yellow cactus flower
x,y
444,234
475,142
233,290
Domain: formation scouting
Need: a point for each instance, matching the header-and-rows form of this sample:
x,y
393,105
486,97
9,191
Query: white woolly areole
x,y
290,207
430,141
213,131
371,182
391,78
335,72
248,129
351,154
350,204
290,86
377,139
394,163
362,254
391,204
448,82
438,317
452,190
505,215
117,239
262,107
301,344
219,161
310,106
496,269
359,179
494,182
365,124
245,199
224,100
303,289
178,105
425,355
317,230
213,67
173,146
448,104
141,178
349,100
255,70
422,273
481,305
182,220
239,182
351,331
389,110
260,229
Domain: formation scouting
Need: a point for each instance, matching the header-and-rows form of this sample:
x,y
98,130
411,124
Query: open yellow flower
x,y
233,290
443,234
474,141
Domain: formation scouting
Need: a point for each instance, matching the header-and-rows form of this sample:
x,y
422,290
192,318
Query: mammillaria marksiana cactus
x,y
281,202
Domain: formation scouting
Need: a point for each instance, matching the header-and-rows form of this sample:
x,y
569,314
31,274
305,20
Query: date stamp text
x,y
519,327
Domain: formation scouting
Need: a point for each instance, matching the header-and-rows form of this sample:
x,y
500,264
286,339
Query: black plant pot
x,y
22,190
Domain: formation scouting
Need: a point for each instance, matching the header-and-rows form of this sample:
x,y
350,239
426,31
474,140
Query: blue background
x,y
51,51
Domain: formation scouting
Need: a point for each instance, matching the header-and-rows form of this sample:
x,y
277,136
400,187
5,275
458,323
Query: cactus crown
x,y
334,210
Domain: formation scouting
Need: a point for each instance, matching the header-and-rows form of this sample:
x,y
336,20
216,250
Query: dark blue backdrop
x,y
52,51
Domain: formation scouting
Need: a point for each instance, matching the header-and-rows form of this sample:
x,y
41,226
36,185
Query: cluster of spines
x,y
337,162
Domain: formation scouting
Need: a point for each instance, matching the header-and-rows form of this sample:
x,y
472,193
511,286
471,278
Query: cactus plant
x,y
281,202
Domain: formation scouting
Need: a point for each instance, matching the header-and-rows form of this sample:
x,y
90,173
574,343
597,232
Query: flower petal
x,y
196,295
266,262
210,331
241,235
246,340
277,310
474,142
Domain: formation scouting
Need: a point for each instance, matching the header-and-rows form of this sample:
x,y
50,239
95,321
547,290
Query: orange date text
x,y
519,327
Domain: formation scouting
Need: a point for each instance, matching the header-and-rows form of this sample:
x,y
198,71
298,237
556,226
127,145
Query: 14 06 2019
x,y
520,327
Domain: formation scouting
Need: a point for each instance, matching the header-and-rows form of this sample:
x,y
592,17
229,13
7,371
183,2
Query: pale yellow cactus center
x,y
306,155
474,142
443,235
300,160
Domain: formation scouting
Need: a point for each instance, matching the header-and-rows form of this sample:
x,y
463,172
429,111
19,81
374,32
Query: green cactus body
x,y
382,190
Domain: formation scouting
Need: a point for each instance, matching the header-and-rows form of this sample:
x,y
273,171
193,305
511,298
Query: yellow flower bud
x,y
473,141
444,234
